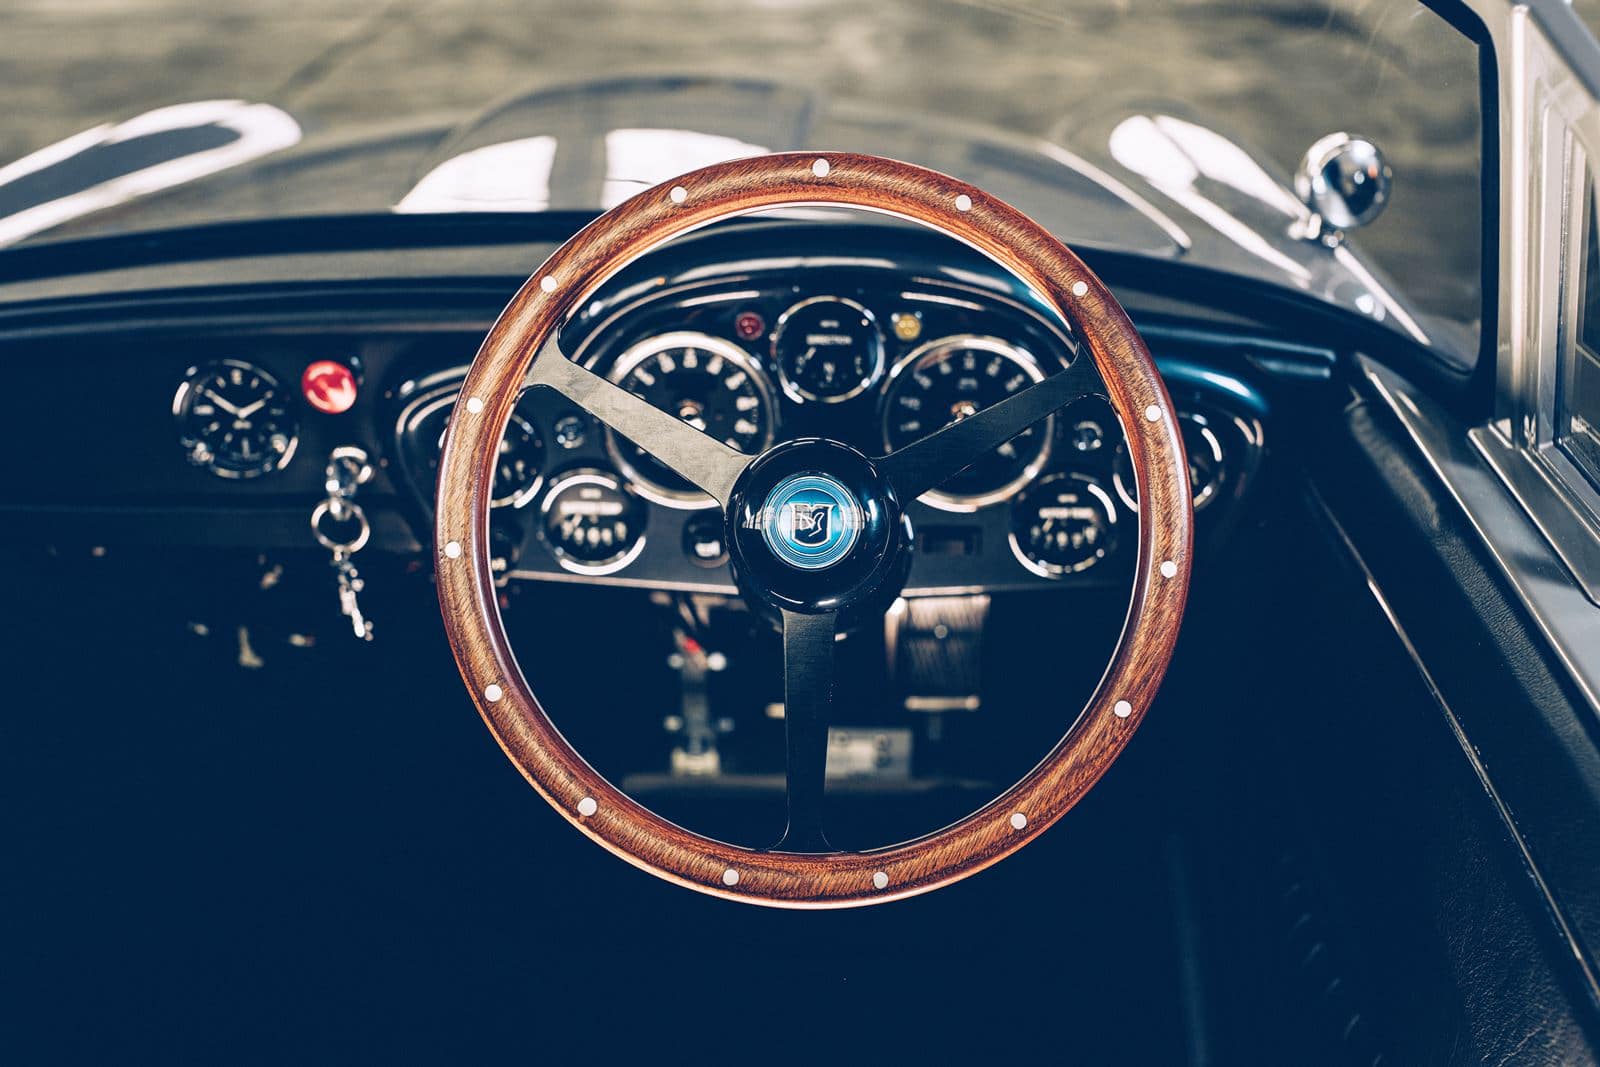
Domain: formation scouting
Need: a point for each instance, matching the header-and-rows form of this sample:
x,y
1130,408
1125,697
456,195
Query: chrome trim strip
x,y
1549,502
1569,621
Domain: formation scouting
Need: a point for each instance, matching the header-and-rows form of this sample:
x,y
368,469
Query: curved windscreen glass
x,y
1169,130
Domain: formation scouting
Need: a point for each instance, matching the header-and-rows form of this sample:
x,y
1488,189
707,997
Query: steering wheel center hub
x,y
811,521
813,526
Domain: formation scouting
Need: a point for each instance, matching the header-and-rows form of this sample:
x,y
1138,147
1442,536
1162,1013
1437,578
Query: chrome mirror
x,y
1344,183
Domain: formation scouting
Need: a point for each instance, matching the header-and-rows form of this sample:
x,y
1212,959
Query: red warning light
x,y
749,325
329,386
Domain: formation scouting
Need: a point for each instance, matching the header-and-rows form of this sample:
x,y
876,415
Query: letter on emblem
x,y
809,522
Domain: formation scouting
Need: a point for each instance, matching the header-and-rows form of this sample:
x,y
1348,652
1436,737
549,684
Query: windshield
x,y
1165,128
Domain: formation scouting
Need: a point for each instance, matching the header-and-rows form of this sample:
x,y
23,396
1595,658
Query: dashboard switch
x,y
703,541
329,386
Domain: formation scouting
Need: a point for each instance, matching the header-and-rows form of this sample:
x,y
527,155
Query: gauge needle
x,y
221,403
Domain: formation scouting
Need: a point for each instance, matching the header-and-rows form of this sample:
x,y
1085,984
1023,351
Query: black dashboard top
x,y
873,335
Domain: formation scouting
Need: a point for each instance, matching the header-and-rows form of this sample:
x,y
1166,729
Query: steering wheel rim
x,y
510,359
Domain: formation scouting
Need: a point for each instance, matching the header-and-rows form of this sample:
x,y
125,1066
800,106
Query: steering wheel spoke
x,y
703,461
929,461
807,708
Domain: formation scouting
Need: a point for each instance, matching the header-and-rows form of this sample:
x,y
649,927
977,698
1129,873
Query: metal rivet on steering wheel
x,y
817,531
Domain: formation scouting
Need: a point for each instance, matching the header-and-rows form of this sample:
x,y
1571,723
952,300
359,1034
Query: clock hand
x,y
250,409
221,403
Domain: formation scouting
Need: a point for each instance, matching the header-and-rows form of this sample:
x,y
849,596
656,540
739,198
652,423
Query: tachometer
x,y
827,349
711,384
954,378
234,419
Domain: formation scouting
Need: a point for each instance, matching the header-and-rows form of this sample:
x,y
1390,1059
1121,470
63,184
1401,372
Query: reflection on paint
x,y
509,176
246,131
636,159
1150,150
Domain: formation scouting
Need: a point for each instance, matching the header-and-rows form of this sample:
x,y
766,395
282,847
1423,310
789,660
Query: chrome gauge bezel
x,y
1024,360
589,476
637,353
420,408
184,397
1129,496
1048,570
799,393
521,497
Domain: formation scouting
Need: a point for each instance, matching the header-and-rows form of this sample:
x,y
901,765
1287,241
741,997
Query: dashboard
x,y
751,347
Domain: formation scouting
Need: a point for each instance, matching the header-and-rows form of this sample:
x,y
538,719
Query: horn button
x,y
813,526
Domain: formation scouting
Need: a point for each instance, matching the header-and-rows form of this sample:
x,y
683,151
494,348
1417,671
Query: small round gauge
x,y
1063,524
591,522
1086,435
711,384
518,469
954,378
1200,441
827,349
234,419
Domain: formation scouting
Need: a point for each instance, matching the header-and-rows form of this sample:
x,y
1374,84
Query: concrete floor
x,y
1277,73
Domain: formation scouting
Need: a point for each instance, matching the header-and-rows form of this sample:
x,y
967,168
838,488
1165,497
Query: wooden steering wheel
x,y
816,580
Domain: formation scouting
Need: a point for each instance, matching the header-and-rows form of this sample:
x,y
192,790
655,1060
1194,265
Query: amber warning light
x,y
329,386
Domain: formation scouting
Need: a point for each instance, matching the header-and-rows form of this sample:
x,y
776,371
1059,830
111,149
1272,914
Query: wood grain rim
x,y
570,277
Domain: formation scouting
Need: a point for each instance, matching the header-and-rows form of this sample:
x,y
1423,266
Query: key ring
x,y
353,513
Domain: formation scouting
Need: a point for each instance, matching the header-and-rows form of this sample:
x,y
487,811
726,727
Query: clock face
x,y
234,419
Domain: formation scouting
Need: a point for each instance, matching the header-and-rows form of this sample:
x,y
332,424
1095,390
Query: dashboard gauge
x,y
518,469
1086,435
954,378
711,384
827,349
1063,524
234,419
1200,441
591,522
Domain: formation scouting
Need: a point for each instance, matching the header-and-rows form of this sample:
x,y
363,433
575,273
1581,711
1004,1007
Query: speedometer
x,y
711,384
952,379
